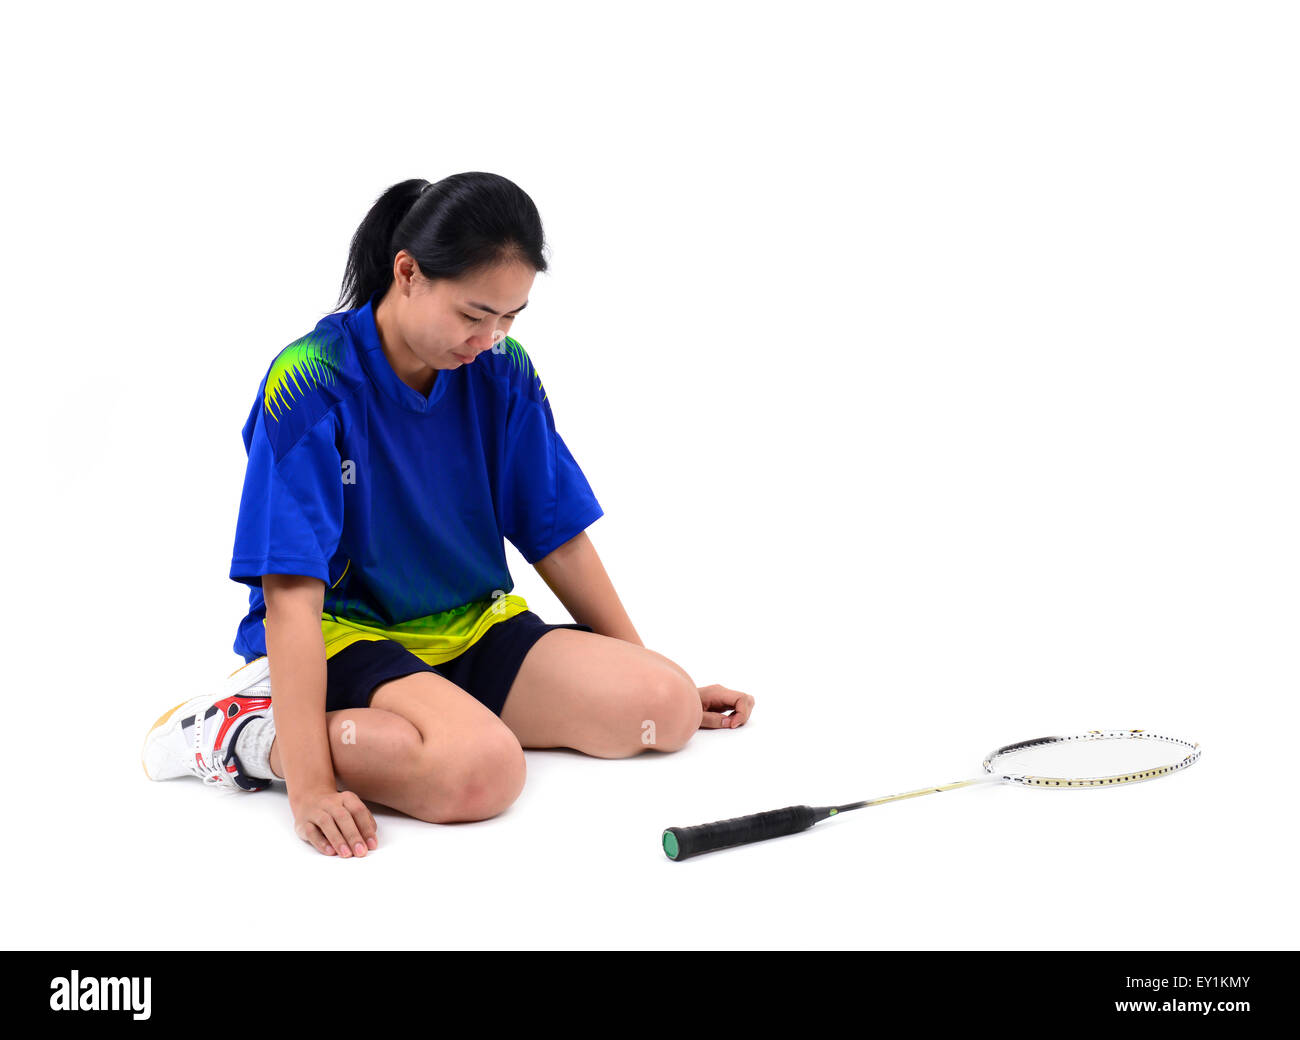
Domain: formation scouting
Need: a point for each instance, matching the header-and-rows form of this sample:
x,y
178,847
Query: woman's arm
x,y
335,822
578,579
296,648
576,576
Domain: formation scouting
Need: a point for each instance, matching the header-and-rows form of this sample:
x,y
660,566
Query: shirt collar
x,y
370,350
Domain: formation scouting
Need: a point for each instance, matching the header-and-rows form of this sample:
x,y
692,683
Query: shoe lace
x,y
211,769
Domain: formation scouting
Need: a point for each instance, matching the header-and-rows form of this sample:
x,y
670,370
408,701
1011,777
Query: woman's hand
x,y
337,823
717,699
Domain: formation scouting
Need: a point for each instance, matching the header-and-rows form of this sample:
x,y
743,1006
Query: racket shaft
x,y
927,790
742,830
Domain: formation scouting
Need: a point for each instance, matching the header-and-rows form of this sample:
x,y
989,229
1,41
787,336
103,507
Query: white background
x,y
935,364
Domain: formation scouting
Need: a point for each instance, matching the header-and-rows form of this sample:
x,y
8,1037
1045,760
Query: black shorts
x,y
485,671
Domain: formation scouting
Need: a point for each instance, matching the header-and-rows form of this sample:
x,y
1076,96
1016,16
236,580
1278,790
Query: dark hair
x,y
463,222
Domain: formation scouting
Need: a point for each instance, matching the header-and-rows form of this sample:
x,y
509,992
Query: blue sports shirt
x,y
398,502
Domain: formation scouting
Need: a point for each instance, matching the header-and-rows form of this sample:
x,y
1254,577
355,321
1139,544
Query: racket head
x,y
1097,758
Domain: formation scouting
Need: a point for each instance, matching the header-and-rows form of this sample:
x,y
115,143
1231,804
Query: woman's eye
x,y
468,318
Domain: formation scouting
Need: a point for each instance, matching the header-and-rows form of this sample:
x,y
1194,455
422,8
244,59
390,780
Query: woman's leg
x,y
602,696
426,748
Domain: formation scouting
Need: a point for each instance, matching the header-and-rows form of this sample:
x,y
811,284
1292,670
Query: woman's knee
x,y
672,710
475,780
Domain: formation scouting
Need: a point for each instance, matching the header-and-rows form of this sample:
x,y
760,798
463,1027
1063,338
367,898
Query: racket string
x,y
1098,758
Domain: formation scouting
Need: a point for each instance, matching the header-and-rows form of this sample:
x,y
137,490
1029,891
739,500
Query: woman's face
x,y
449,322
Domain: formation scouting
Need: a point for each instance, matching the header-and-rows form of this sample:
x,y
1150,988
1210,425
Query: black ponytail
x,y
461,223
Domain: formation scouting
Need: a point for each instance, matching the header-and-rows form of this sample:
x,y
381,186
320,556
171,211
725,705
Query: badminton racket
x,y
1098,758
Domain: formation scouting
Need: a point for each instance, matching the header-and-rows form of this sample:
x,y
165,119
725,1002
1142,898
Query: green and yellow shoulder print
x,y
514,350
303,365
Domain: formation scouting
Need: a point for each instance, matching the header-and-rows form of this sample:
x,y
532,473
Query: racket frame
x,y
1057,782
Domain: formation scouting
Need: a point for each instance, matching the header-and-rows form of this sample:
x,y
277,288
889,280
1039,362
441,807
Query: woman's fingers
x,y
717,699
312,835
351,834
333,835
743,707
715,720
364,817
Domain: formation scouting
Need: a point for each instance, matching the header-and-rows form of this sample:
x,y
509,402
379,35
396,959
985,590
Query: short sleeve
x,y
546,498
291,507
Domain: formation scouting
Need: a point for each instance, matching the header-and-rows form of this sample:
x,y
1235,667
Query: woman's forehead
x,y
503,290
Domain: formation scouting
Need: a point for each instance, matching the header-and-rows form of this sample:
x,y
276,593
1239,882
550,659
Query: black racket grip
x,y
684,842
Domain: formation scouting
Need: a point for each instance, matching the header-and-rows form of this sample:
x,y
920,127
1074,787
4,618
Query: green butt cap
x,y
670,844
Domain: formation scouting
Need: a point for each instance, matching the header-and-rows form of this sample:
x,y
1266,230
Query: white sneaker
x,y
197,737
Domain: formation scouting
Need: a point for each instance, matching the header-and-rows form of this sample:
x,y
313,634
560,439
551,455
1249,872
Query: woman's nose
x,y
485,340
488,340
